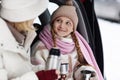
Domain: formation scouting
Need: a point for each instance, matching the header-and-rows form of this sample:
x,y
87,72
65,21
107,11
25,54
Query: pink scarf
x,y
69,47
46,38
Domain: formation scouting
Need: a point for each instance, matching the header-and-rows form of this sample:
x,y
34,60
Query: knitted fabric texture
x,y
46,75
66,11
22,10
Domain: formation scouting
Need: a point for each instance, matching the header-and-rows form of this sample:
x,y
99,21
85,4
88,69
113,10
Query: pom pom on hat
x,y
22,10
68,11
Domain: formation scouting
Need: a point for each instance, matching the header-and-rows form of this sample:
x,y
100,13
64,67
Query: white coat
x,y
41,53
14,59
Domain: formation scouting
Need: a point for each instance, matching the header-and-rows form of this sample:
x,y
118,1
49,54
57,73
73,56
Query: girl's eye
x,y
58,20
68,23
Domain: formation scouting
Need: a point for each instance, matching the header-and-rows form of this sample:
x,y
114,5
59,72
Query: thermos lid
x,y
64,68
55,51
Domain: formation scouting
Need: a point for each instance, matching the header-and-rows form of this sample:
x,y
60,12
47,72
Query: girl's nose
x,y
61,25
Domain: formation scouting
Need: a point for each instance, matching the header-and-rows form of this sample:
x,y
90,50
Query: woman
x,y
61,33
16,36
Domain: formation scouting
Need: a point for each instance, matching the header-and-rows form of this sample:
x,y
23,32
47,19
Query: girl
x,y
61,33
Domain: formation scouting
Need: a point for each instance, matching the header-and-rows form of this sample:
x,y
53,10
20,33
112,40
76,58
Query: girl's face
x,y
63,26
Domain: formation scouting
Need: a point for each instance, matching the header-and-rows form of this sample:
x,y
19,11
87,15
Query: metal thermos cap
x,y
54,51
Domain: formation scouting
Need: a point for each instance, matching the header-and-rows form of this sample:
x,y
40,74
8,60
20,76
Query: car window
x,y
51,7
108,13
108,9
118,1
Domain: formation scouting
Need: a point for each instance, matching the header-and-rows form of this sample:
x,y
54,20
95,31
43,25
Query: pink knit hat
x,y
68,11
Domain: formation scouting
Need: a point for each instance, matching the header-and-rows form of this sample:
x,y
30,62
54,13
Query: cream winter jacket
x,y
41,53
14,61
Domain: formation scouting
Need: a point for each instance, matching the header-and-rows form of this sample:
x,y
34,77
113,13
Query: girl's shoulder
x,y
39,45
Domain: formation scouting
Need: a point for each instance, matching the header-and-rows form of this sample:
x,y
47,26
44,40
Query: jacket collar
x,y
9,42
24,41
17,35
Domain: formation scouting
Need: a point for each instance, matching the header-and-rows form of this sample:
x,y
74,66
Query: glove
x,y
47,75
79,74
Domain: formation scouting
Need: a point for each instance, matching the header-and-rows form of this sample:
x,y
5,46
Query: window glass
x,y
51,7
